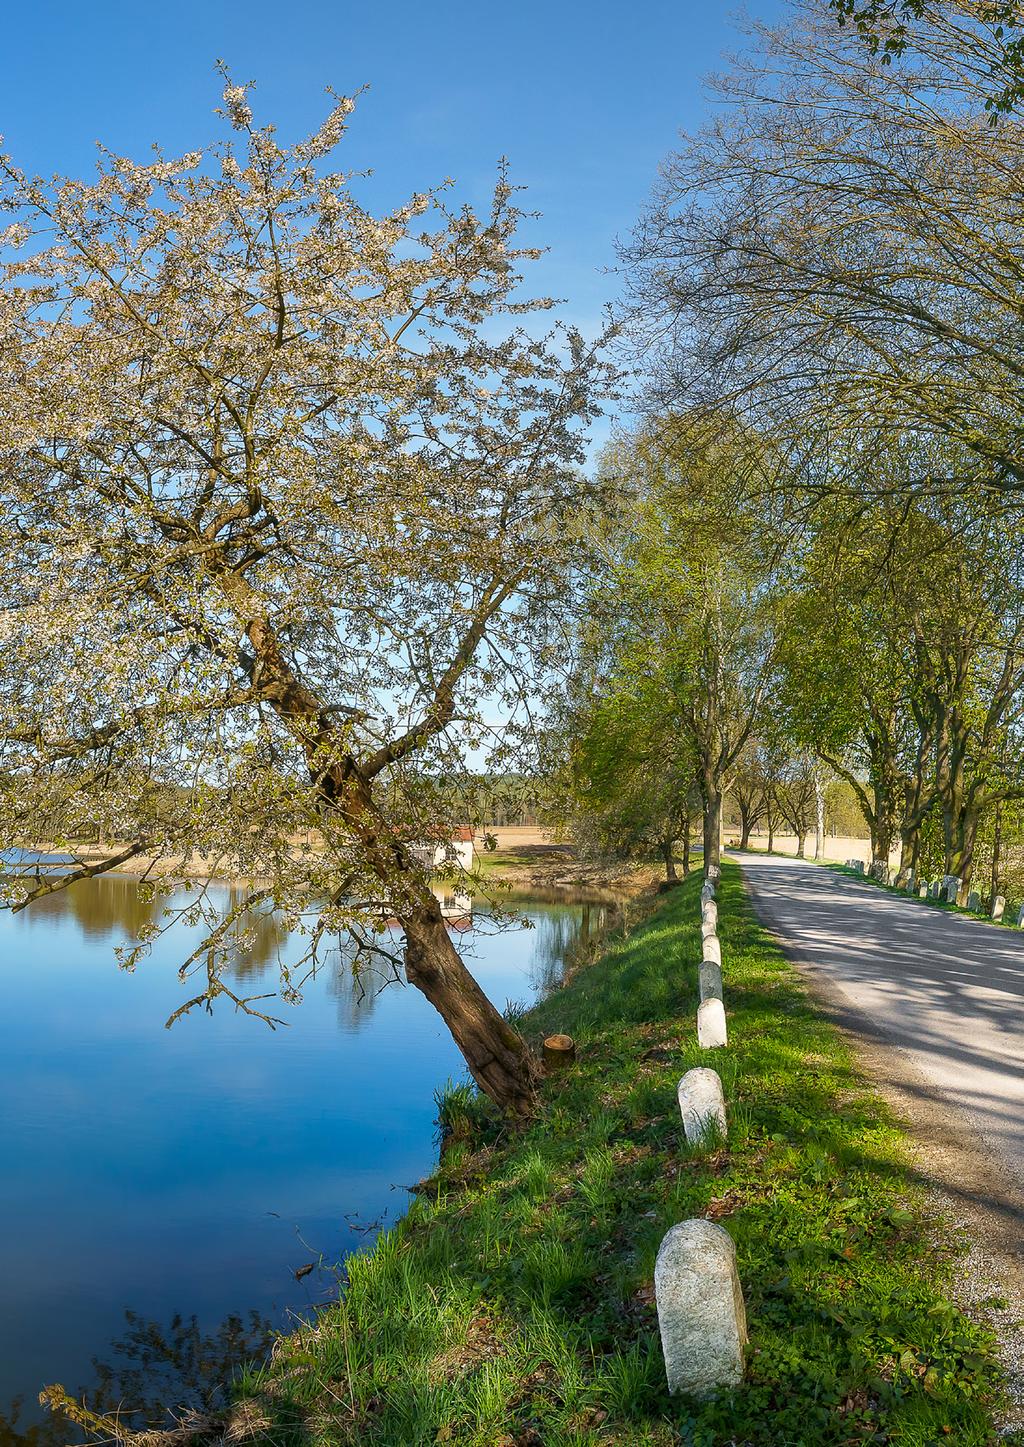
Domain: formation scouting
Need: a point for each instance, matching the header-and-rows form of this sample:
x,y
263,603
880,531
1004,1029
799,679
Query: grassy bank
x,y
514,1305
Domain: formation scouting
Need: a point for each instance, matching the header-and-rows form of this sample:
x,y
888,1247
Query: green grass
x,y
513,1304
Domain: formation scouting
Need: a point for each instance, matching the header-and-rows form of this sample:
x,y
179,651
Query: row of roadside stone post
x,y
947,888
701,1315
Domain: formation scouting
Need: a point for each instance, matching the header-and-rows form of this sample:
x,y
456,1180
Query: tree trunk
x,y
670,864
686,846
997,849
712,827
801,845
962,835
819,818
771,831
745,832
495,1052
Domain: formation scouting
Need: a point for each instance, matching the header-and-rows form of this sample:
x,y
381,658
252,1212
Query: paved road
x,y
945,989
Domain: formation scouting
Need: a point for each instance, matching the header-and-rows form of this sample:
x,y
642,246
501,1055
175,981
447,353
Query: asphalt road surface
x,y
944,989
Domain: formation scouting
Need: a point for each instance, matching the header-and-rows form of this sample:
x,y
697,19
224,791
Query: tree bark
x,y
686,846
997,848
495,1052
670,864
712,826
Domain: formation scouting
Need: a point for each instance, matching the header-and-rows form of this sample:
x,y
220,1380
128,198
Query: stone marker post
x,y
701,1315
974,900
711,1031
952,884
709,977
998,906
712,948
701,1104
1020,917
922,889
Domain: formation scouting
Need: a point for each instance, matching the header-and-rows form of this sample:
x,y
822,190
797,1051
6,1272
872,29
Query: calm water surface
x,y
195,1170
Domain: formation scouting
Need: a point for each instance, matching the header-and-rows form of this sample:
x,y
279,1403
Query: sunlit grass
x,y
514,1303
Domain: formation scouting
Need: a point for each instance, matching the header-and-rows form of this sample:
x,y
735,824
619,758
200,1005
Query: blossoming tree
x,y
285,494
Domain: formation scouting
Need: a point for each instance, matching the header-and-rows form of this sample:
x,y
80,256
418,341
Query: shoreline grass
x,y
513,1305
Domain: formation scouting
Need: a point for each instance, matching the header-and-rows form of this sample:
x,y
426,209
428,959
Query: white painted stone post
x,y
701,1315
709,978
712,948
714,873
908,883
1020,917
952,884
701,1104
998,906
711,1031
922,889
974,900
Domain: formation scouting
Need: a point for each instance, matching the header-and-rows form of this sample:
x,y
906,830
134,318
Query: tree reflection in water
x,y
114,907
154,1372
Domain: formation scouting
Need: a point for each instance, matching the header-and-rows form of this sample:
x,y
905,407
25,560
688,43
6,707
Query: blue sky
x,y
584,97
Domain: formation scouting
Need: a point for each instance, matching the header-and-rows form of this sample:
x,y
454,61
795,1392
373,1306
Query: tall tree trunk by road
x,y
670,864
962,836
997,848
712,795
686,844
819,817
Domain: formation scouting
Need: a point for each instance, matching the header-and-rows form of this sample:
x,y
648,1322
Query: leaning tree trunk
x,y
495,1052
745,818
497,1055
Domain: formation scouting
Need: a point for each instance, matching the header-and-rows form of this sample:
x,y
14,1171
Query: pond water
x,y
195,1170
